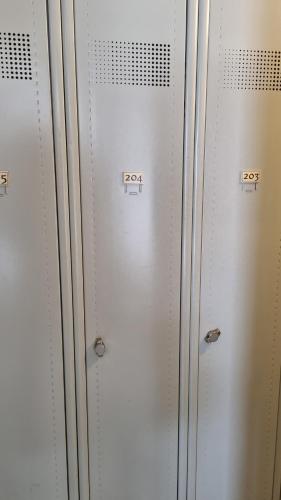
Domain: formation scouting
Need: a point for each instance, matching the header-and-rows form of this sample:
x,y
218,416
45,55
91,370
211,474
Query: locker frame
x,y
198,12
72,139
204,12
56,82
189,182
186,459
62,194
199,157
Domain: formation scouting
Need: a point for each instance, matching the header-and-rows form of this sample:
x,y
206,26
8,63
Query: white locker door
x,y
239,375
130,60
32,419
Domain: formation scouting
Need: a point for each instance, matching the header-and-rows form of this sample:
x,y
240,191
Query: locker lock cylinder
x,y
213,336
99,347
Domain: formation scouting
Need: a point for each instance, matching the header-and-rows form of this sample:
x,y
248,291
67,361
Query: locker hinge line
x,y
72,139
198,185
58,113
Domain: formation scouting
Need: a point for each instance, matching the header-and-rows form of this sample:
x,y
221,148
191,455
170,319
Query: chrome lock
x,y
213,336
99,347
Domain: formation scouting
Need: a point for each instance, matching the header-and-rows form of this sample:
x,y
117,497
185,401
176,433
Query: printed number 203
x,y
250,177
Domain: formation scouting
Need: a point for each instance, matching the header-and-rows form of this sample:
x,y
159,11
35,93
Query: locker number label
x,y
4,178
133,178
250,177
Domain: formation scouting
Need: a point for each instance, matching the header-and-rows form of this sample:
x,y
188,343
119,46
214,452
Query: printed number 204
x,y
133,178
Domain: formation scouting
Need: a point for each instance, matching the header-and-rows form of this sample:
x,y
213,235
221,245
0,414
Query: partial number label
x,y
4,177
250,177
133,178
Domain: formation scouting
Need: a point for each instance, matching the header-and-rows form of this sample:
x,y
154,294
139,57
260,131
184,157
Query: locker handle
x,y
213,336
99,347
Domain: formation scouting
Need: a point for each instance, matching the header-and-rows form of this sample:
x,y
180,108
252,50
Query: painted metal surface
x,y
32,431
131,120
239,375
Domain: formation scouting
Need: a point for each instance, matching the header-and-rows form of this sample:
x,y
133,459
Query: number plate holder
x,y
251,177
133,178
4,178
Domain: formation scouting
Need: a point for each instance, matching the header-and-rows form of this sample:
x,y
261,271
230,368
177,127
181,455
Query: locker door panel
x,y
130,60
32,431
239,376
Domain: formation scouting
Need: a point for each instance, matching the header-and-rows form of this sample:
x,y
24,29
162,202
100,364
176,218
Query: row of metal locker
x,y
140,249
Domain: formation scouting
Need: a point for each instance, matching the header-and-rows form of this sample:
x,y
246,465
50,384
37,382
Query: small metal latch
x,y
99,347
213,336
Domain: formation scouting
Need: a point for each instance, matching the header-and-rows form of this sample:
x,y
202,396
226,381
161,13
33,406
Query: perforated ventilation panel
x,y
246,69
131,63
15,56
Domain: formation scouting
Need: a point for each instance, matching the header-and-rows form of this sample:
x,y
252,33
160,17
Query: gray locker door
x,y
130,59
239,375
32,426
